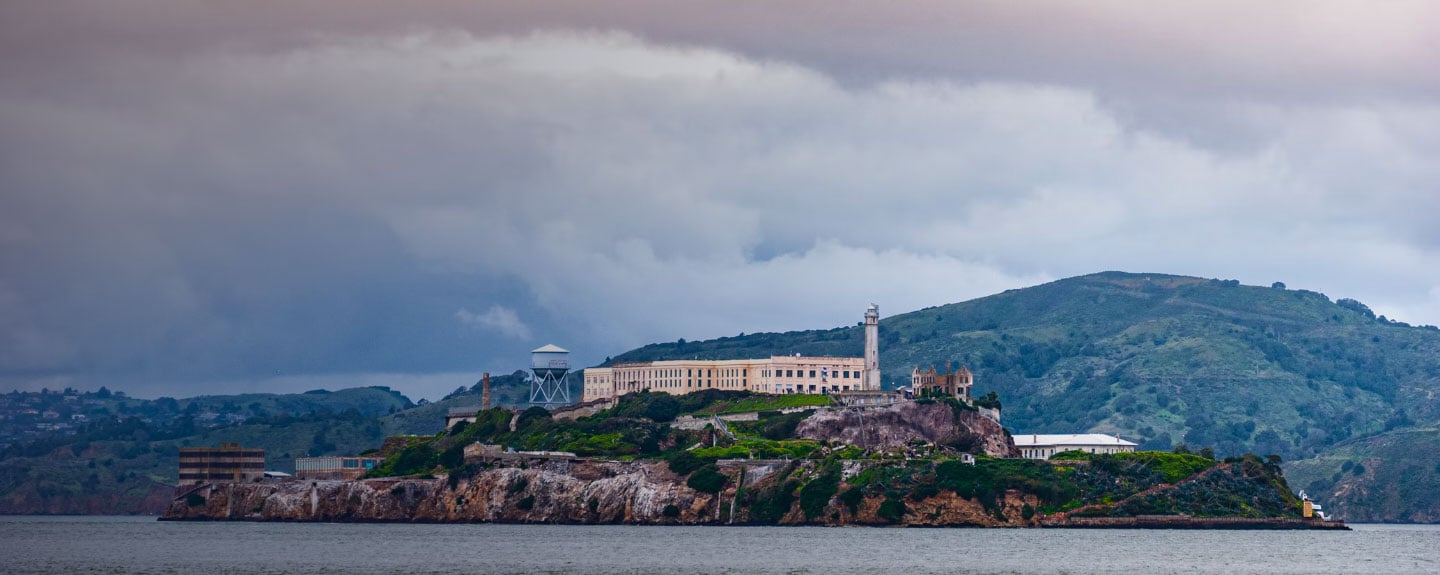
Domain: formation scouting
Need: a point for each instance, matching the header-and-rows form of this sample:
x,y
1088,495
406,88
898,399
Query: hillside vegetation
x,y
1162,360
125,459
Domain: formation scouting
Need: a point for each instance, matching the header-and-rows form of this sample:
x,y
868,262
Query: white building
x,y
778,374
1043,446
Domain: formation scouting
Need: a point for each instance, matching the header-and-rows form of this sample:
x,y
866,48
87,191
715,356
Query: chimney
x,y
485,391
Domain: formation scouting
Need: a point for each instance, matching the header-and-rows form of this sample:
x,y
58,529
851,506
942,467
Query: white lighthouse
x,y
871,380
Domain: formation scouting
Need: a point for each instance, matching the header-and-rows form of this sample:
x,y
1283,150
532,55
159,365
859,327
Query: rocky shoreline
x,y
631,493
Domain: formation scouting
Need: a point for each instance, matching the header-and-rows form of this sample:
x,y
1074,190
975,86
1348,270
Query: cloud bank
x,y
340,203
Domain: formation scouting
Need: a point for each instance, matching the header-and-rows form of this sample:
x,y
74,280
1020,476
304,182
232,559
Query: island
x,y
736,458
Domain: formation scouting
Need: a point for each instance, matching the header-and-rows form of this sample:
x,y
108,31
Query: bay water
x,y
144,545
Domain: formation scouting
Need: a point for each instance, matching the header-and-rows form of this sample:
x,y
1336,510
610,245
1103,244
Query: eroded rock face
x,y
632,493
621,493
893,426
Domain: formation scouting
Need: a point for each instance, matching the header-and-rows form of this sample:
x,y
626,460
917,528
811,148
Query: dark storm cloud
x,y
324,192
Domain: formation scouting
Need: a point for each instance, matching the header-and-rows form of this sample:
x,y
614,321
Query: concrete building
x,y
778,374
229,463
956,384
336,467
1043,446
459,414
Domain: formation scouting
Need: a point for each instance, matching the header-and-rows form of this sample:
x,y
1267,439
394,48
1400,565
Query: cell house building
x,y
782,374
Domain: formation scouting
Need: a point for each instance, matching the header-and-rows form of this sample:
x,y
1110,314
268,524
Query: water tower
x,y
549,365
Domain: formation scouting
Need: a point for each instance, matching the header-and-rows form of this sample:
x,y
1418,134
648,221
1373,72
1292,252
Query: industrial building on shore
x,y
229,463
774,375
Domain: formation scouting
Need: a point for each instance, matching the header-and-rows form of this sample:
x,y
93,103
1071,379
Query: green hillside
x,y
1158,359
126,460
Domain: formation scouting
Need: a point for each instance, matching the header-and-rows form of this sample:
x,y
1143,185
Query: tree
x,y
1278,285
663,408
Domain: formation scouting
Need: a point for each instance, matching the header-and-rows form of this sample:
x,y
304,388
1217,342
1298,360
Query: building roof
x,y
1073,439
551,348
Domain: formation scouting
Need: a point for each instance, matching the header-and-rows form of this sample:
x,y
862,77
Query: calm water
x,y
143,545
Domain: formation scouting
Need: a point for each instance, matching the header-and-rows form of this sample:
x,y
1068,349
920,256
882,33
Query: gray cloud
x,y
290,199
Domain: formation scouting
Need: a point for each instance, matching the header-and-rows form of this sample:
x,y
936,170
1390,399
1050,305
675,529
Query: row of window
x,y
792,373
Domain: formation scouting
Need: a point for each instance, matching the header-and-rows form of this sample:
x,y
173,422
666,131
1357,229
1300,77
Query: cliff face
x,y
577,492
893,426
1247,494
590,492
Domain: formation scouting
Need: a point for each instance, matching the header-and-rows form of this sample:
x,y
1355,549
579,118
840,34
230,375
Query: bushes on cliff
x,y
663,409
852,497
816,494
707,479
892,509
771,504
987,481
1172,467
684,462
414,459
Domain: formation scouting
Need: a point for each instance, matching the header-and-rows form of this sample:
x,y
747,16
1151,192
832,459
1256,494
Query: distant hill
x,y
124,459
1163,360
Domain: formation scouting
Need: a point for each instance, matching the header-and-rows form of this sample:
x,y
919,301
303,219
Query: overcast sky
x,y
214,197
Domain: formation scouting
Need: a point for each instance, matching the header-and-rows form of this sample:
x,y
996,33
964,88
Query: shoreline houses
x,y
774,375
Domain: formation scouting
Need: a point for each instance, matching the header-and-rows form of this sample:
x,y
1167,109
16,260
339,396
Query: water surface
x,y
143,545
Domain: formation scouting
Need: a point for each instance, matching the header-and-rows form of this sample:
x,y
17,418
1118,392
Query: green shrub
x,y
774,502
194,500
671,511
924,491
593,504
852,497
684,462
1172,467
519,485
707,479
892,510
663,409
815,496
527,503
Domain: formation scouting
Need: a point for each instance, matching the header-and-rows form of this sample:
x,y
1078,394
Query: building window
x,y
812,374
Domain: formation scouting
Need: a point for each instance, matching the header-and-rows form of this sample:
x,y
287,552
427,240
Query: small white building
x,y
1043,446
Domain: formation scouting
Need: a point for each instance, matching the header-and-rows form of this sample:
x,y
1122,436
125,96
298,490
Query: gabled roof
x,y
551,348
1070,440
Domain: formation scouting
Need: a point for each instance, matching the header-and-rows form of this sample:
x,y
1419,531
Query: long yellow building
x,y
778,374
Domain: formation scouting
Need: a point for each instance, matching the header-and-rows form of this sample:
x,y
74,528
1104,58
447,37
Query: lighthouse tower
x,y
871,380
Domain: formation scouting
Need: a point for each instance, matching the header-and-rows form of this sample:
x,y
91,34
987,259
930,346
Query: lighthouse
x,y
871,380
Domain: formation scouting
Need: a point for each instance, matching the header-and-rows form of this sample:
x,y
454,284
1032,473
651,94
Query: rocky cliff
x,y
583,492
556,492
887,428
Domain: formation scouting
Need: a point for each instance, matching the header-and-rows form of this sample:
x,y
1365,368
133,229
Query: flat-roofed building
x,y
459,414
1043,446
777,375
228,463
335,467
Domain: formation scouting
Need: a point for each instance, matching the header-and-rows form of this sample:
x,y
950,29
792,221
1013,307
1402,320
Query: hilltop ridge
x,y
1166,359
